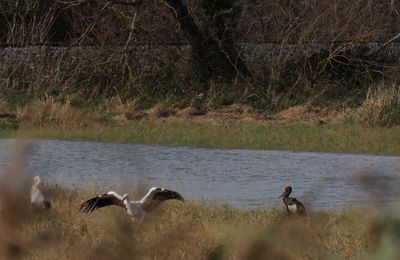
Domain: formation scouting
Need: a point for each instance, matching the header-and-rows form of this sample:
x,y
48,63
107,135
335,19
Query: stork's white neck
x,y
36,182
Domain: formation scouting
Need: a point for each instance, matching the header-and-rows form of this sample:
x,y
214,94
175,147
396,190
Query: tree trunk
x,y
213,59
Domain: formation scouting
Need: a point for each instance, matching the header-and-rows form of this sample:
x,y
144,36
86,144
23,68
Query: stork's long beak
x,y
283,194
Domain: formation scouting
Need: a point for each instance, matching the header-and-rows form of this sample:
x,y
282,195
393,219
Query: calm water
x,y
242,178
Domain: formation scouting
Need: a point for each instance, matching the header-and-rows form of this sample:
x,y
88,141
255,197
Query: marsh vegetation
x,y
177,230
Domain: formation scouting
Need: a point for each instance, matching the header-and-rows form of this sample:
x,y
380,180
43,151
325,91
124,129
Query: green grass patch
x,y
351,138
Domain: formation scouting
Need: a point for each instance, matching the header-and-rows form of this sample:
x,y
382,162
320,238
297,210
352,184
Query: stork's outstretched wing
x,y
158,195
107,199
167,195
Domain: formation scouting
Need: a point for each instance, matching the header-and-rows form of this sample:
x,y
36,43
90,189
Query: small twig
x,y
172,8
132,28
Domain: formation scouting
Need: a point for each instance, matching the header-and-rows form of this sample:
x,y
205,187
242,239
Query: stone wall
x,y
251,52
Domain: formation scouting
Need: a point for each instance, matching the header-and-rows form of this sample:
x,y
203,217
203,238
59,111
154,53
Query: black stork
x,y
293,206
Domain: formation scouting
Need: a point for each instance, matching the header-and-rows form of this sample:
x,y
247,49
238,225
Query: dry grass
x,y
50,112
381,107
313,115
160,111
176,231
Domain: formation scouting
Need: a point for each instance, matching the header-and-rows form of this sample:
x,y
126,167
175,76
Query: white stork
x,y
38,197
135,208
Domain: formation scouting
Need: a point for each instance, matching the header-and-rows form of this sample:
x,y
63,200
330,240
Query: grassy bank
x,y
352,138
189,230
371,128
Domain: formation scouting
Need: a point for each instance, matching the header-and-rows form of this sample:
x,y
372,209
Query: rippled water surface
x,y
242,178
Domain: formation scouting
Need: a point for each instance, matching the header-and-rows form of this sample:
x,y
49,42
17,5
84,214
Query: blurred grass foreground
x,y
190,230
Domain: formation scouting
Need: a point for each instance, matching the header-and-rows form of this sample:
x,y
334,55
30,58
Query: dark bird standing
x,y
293,206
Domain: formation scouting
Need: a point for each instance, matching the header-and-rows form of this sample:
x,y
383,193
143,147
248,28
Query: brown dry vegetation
x,y
179,231
381,107
51,113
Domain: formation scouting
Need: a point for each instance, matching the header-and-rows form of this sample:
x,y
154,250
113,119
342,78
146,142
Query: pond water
x,y
241,178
